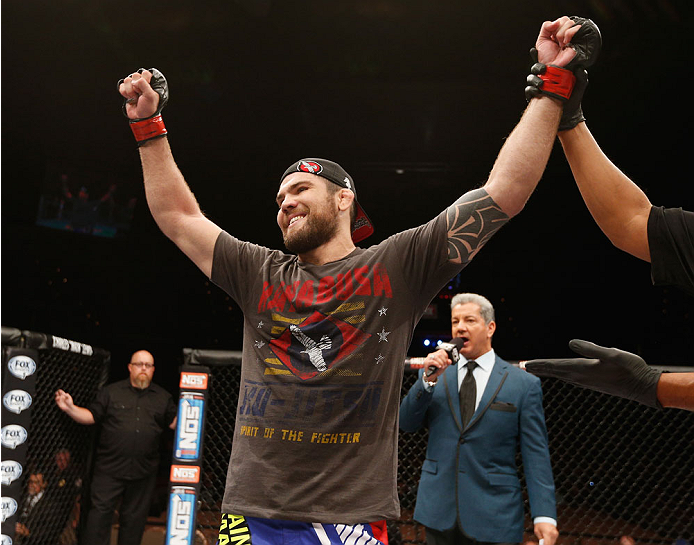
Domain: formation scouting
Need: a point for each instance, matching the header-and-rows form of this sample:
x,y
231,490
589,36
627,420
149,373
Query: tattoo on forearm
x,y
472,220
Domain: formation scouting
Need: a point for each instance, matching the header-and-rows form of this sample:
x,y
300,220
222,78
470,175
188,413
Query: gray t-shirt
x,y
323,350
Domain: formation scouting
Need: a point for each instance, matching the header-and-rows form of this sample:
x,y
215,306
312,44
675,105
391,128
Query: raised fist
x,y
146,92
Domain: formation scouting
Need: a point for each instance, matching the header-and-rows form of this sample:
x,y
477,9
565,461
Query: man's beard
x,y
319,229
142,382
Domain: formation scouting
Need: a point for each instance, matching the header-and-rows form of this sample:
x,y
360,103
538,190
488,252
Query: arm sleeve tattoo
x,y
472,220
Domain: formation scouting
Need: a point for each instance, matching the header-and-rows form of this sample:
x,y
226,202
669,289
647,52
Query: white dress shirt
x,y
485,364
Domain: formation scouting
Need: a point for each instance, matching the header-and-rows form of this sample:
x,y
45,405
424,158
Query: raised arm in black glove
x,y
587,43
609,370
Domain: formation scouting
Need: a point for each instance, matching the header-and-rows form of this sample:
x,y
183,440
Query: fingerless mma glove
x,y
150,127
549,80
587,43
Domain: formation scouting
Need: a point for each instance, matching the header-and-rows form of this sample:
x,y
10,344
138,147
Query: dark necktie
x,y
468,394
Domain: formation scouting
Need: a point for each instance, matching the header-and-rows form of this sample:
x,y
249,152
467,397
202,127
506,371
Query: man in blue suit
x,y
469,491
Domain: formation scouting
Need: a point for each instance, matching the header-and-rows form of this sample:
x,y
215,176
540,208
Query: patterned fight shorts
x,y
239,530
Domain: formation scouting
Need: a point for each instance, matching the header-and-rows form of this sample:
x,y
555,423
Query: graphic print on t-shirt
x,y
316,344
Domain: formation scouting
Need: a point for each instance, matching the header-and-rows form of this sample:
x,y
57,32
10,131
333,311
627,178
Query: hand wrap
x,y
150,127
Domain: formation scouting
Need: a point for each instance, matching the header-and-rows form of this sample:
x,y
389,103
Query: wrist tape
x,y
555,81
147,129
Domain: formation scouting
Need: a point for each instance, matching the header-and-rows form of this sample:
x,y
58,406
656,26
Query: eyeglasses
x,y
142,364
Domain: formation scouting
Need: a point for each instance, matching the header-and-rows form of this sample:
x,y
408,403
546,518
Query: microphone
x,y
452,349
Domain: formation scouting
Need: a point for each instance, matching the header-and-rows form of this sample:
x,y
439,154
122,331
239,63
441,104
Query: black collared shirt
x,y
132,421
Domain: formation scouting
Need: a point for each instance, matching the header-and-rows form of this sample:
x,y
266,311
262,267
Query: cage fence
x,y
619,468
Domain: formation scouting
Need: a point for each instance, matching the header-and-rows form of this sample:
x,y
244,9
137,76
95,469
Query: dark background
x,y
413,97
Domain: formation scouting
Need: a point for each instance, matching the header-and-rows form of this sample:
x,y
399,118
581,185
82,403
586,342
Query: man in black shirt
x,y
132,414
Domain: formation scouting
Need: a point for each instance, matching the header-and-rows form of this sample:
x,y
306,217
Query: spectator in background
x,y
39,521
63,484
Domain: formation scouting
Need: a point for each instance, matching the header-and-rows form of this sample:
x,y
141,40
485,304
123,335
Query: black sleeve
x,y
99,407
171,410
671,244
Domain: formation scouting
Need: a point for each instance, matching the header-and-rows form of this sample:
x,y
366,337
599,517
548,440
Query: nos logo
x,y
181,510
197,381
189,431
21,366
185,474
16,401
10,471
13,435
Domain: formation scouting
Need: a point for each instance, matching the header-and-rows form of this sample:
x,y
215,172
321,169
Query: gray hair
x,y
486,308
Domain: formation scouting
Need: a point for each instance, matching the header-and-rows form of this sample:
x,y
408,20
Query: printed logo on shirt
x,y
16,401
316,344
196,381
185,474
21,366
368,281
13,436
180,527
10,471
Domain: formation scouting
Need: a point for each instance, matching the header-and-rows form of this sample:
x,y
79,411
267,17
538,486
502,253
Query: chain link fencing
x,y
57,447
619,468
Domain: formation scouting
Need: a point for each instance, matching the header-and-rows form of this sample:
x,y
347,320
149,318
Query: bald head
x,y
141,369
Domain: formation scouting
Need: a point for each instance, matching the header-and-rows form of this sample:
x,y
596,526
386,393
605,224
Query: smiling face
x,y
308,212
141,369
467,323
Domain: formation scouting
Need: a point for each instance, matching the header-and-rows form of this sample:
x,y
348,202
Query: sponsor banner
x,y
20,369
184,474
191,409
184,480
180,528
193,381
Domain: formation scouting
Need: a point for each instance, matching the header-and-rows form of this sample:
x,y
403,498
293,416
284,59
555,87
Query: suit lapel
x,y
496,380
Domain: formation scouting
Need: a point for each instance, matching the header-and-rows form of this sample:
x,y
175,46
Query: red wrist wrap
x,y
558,81
148,128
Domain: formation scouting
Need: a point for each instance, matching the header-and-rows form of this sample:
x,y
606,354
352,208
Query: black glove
x,y
612,371
158,84
148,128
587,43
